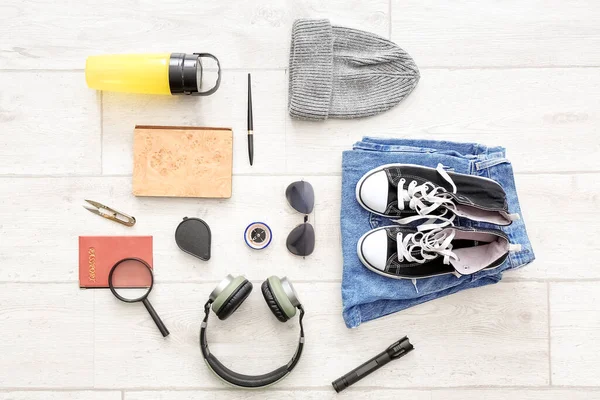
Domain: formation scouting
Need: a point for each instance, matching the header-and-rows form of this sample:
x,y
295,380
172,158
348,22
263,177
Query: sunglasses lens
x,y
301,240
301,196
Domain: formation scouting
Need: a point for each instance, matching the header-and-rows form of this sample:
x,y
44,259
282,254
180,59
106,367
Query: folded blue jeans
x,y
367,295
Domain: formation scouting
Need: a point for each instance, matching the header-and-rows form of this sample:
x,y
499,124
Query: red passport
x,y
98,254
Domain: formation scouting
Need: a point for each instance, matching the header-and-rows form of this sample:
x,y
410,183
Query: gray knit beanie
x,y
345,73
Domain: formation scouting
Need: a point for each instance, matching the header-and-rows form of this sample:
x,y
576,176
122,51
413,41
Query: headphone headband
x,y
247,381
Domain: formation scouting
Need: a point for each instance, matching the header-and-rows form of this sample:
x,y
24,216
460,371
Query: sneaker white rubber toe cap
x,y
372,249
373,192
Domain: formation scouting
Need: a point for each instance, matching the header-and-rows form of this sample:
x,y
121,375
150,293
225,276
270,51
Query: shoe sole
x,y
382,167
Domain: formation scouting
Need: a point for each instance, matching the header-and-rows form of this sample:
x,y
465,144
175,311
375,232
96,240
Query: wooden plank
x,y
47,336
492,33
278,395
40,228
497,335
521,394
354,393
55,219
61,395
226,108
373,393
563,256
50,123
569,200
241,35
575,329
532,112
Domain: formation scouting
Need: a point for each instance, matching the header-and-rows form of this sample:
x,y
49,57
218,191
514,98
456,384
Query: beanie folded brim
x,y
311,69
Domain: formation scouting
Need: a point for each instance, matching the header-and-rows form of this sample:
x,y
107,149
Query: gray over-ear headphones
x,y
226,298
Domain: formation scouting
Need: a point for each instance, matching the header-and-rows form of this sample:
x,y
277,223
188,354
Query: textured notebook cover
x,y
176,161
98,254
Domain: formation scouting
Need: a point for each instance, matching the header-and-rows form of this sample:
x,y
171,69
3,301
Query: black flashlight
x,y
396,350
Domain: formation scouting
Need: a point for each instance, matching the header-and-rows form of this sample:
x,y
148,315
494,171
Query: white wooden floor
x,y
524,74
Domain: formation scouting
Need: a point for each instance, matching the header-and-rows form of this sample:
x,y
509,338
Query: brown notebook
x,y
176,161
98,254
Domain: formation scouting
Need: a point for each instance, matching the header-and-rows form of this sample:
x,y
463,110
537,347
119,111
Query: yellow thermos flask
x,y
163,73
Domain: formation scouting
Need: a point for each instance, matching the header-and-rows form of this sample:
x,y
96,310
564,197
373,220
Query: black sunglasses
x,y
301,240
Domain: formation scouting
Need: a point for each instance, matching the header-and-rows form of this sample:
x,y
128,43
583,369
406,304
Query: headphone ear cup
x,y
272,303
234,300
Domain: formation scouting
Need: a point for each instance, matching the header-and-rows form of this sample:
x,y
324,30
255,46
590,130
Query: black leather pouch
x,y
193,236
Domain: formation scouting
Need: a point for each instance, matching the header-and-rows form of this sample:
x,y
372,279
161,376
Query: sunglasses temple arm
x,y
161,326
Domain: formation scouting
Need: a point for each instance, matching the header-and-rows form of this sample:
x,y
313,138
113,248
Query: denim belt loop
x,y
479,150
490,162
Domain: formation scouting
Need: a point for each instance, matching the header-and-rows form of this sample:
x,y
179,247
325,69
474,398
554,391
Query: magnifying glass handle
x,y
161,327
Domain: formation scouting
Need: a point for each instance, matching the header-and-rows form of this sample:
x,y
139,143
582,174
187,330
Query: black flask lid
x,y
185,74
193,236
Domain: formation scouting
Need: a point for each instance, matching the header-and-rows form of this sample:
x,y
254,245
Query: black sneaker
x,y
403,252
412,192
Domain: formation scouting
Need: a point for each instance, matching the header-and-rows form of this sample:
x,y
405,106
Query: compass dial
x,y
257,235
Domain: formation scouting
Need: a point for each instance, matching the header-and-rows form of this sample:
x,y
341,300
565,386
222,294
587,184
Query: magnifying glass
x,y
131,280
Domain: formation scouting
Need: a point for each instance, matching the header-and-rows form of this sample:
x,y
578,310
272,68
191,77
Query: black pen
x,y
250,124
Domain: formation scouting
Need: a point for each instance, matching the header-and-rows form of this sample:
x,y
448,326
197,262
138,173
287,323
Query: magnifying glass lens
x,y
132,280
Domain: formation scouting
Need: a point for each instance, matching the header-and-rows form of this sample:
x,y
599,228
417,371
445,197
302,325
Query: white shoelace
x,y
429,245
425,199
